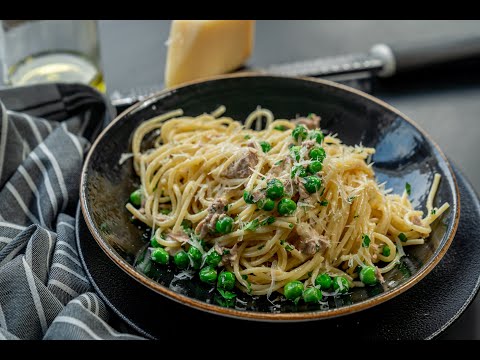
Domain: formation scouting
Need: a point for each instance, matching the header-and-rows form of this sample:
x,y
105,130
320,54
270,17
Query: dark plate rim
x,y
303,316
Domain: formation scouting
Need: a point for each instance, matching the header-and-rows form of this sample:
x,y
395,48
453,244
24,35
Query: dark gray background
x,y
446,105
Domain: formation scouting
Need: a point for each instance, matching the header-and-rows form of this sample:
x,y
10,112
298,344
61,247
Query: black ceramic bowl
x,y
404,153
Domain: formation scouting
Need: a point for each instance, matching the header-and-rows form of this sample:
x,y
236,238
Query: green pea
x,y
315,166
295,152
224,225
311,295
299,171
247,196
160,255
317,135
340,284
367,275
266,204
317,154
226,280
286,206
293,290
196,256
181,259
136,198
313,184
324,281
299,133
266,147
386,251
213,259
208,274
274,189
154,242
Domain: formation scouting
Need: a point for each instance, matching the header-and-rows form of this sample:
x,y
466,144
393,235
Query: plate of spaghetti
x,y
270,198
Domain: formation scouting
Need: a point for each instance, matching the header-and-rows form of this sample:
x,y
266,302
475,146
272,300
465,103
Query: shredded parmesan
x,y
273,277
124,157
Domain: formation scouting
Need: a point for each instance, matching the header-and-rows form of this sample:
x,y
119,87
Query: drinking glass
x,y
39,51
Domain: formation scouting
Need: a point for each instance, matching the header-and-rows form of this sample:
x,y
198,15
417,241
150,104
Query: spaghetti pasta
x,y
277,205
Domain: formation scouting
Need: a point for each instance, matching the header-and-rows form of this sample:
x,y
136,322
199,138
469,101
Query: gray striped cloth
x,y
45,132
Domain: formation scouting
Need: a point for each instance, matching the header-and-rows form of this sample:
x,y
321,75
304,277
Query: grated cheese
x,y
124,157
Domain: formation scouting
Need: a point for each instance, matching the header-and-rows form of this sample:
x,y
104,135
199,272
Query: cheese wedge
x,y
202,48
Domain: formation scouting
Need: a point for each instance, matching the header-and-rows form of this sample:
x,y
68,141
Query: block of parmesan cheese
x,y
202,48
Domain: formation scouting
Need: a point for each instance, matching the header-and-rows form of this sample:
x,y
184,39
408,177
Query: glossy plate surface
x,y
404,154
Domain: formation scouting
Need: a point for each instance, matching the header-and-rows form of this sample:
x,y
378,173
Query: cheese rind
x,y
202,48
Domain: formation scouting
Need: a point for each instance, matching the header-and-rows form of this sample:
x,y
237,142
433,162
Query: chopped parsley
x,y
295,152
248,197
187,227
266,147
227,298
408,188
404,270
226,252
278,162
290,226
280,128
252,225
226,294
323,203
402,237
286,245
247,137
323,190
268,221
433,212
366,240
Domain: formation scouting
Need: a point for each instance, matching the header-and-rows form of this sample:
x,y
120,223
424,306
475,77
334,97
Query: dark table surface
x,y
445,103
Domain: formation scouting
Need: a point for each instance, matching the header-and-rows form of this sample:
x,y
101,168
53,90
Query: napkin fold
x,y
45,133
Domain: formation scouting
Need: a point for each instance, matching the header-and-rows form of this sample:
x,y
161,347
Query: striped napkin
x,y
45,132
